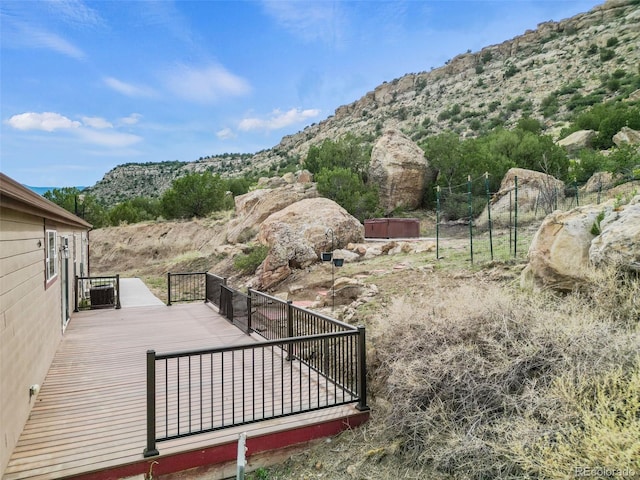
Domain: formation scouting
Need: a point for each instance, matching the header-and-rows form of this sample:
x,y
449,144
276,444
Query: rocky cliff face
x,y
474,90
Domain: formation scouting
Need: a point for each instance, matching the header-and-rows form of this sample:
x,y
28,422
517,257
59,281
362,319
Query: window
x,y
52,255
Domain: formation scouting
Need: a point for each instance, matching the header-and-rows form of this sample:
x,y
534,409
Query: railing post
x,y
249,329
289,319
75,290
168,289
151,449
118,306
362,370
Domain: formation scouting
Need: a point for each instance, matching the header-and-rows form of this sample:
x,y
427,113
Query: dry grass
x,y
461,373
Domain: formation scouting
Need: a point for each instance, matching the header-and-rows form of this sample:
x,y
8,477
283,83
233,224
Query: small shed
x,y
392,228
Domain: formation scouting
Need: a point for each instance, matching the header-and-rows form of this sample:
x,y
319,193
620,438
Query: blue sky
x,y
86,86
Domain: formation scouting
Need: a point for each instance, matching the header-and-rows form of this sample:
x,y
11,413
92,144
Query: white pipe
x,y
242,461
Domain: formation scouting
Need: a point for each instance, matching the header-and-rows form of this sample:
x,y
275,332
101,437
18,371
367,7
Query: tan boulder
x,y
299,233
254,207
577,140
627,136
559,252
271,182
599,181
536,191
400,170
289,177
304,176
619,239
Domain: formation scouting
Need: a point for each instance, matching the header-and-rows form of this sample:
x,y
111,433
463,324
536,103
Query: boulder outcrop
x,y
254,207
619,239
578,140
299,233
536,191
568,245
559,251
400,170
627,136
599,181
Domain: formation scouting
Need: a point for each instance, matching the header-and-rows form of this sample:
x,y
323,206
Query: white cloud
x,y
278,119
207,84
310,20
131,119
36,38
96,122
46,121
108,138
75,12
96,130
225,134
128,89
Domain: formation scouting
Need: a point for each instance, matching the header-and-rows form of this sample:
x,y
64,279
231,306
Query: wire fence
x,y
482,224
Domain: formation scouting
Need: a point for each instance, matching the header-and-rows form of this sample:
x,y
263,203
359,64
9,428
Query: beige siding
x,y
30,317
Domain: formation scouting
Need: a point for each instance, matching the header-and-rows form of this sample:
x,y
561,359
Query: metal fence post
x,y
168,289
438,222
151,449
515,222
486,187
362,370
470,216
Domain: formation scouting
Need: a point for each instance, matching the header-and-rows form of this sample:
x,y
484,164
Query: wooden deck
x,y
89,419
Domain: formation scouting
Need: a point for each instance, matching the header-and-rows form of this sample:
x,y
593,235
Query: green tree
x,y
238,186
444,154
349,152
138,209
589,162
84,205
347,189
194,195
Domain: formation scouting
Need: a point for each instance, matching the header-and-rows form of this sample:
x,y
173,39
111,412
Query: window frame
x,y
51,256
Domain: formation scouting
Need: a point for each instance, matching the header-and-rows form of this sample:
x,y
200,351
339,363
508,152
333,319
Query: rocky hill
x,y
545,73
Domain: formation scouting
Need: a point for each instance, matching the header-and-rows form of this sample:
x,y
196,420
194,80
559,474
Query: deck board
x,y
91,411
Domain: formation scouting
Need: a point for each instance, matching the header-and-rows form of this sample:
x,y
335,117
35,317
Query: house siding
x,y
30,315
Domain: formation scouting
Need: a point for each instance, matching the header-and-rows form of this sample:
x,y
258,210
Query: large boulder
x,y
599,181
619,239
400,170
627,136
299,233
559,251
578,140
537,191
254,207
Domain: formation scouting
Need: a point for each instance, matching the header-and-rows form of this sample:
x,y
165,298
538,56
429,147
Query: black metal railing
x,y
235,307
97,292
213,288
186,287
206,390
309,361
274,318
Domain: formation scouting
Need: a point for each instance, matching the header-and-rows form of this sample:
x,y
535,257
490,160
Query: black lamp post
x,y
335,262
